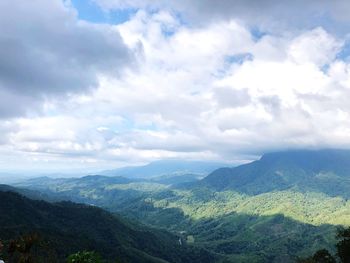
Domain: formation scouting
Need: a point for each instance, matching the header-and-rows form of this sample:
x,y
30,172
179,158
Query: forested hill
x,y
283,206
67,228
326,171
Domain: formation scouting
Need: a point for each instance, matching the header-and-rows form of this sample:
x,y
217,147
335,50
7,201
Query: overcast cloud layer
x,y
185,80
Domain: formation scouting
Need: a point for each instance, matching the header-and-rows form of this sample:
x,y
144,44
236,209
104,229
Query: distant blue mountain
x,y
165,167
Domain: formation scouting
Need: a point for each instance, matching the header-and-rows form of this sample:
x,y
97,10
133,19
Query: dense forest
x,y
174,131
65,228
342,254
280,208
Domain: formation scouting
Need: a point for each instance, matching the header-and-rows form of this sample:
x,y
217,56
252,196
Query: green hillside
x,y
280,207
67,227
326,171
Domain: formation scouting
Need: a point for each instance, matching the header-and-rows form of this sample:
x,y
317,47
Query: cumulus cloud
x,y
228,97
46,51
267,15
213,91
314,46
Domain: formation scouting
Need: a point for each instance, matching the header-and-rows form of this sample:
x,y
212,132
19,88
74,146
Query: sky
x,y
96,84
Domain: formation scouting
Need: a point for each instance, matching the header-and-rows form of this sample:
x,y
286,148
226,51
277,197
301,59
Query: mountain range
x,y
283,206
165,167
326,171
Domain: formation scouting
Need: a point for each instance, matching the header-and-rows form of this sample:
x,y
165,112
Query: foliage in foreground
x,y
343,251
67,227
84,257
23,250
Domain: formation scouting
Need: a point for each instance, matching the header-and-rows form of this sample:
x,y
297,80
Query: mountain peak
x,y
316,170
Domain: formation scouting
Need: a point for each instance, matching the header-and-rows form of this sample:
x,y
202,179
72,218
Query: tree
x,y
84,257
321,256
343,250
20,249
343,245
1,247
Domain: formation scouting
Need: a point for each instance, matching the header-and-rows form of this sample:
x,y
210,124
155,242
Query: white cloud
x,y
315,47
210,92
269,15
47,52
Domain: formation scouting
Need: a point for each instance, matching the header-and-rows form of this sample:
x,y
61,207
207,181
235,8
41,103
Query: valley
x,y
179,131
258,216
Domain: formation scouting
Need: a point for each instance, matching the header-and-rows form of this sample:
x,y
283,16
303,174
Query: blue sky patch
x,y
91,12
238,58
